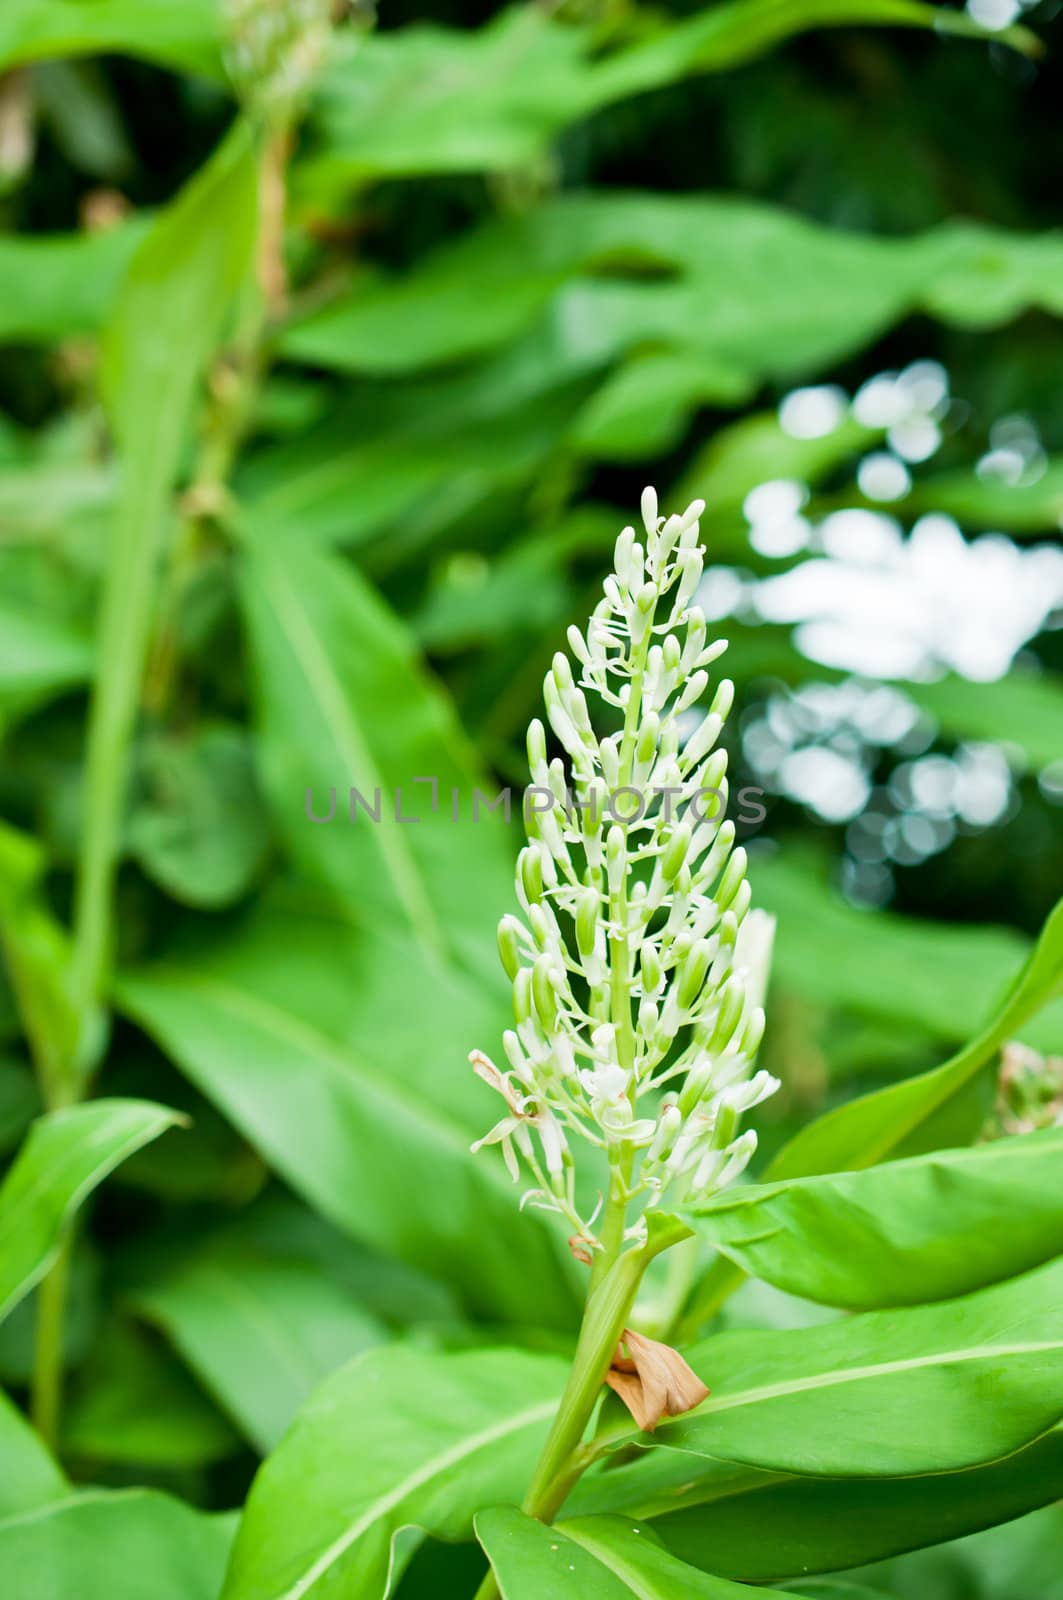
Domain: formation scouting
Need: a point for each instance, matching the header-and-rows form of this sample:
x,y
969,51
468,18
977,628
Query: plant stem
x,y
562,1460
47,1390
564,1456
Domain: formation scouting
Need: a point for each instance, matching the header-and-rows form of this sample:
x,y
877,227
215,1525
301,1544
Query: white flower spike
x,y
638,969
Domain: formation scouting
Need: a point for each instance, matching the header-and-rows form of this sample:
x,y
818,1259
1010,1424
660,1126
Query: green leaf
x,y
600,1558
869,1129
344,704
66,1155
431,99
301,1029
749,290
176,33
102,1545
56,285
417,458
28,1475
768,1530
39,658
260,1334
885,1393
1006,1563
642,409
199,827
400,1437
136,1405
909,1231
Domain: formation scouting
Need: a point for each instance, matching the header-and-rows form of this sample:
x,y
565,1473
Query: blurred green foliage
x,y
309,507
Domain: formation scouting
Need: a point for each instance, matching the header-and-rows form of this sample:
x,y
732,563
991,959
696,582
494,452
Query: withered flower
x,y
653,1380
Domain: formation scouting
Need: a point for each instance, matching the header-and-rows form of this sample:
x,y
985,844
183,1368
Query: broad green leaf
x,y
770,1530
279,1227
66,1155
909,1231
1012,1562
134,1404
400,1437
260,1334
301,1029
114,1545
749,287
170,314
344,705
415,459
176,33
885,1393
28,1475
597,1558
199,827
56,285
869,1129
431,99
642,409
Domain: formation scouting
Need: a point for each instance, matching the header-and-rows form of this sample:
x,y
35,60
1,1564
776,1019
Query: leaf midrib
x,y
837,1377
283,1025
355,753
395,1496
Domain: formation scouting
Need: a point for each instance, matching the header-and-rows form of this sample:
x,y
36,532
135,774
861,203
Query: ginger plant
x,y
638,968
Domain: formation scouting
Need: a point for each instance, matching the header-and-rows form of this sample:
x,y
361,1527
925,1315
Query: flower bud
x,y
543,992
723,699
728,886
646,746
650,969
692,976
578,645
530,867
509,946
536,746
675,852
522,996
562,670
728,1015
588,908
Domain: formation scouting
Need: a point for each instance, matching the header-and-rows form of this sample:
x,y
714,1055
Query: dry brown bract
x,y
653,1380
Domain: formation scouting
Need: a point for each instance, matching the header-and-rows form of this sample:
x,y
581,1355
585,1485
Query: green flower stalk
x,y
638,969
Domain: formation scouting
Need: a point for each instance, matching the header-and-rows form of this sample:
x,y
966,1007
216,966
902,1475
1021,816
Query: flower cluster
x,y
637,967
275,48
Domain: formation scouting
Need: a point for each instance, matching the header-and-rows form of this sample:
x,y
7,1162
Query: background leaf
x,y
298,1029
457,1429
909,1231
65,1156
260,1334
103,1543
